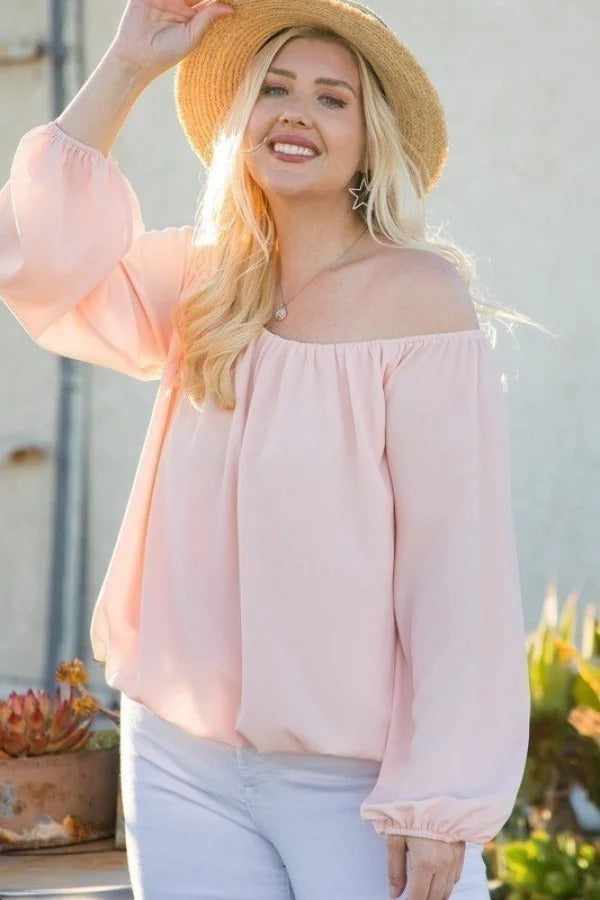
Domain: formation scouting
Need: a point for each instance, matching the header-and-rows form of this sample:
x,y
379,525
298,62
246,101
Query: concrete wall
x,y
520,193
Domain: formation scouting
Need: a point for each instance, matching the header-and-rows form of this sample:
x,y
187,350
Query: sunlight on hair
x,y
235,237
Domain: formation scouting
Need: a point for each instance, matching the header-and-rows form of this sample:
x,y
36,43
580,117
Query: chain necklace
x,y
281,311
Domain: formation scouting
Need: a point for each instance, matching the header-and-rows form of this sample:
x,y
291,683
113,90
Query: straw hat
x,y
207,78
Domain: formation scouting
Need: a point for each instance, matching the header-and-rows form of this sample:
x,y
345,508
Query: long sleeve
x,y
458,737
78,269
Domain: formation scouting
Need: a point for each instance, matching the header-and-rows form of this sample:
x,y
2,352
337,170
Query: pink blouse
x,y
329,568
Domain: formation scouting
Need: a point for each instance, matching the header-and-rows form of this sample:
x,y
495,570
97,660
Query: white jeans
x,y
208,821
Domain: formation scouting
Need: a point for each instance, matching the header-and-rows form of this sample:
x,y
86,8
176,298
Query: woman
x,y
313,608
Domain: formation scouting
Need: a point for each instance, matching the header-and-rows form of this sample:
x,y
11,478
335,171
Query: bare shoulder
x,y
421,292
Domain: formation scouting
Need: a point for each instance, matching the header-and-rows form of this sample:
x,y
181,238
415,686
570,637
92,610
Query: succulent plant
x,y
59,721
38,722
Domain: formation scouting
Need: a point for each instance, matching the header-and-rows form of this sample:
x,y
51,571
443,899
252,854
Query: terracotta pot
x,y
58,798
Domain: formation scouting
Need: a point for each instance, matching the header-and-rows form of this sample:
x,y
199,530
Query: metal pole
x,y
58,54
80,74
66,605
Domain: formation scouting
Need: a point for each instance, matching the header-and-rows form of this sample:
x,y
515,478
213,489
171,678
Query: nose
x,y
286,118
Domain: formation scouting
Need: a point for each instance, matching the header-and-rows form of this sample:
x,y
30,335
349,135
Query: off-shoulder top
x,y
329,568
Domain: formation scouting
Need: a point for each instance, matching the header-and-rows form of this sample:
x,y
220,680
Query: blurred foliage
x,y
543,852
563,866
564,740
103,739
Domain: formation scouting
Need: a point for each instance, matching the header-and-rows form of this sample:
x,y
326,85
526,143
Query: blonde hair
x,y
234,233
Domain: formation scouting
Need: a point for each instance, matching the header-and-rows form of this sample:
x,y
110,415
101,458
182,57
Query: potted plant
x,y
58,776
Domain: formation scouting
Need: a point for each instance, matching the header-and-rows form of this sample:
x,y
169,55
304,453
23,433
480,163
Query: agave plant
x,y
59,721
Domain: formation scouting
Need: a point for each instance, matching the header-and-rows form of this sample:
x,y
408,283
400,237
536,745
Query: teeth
x,y
293,148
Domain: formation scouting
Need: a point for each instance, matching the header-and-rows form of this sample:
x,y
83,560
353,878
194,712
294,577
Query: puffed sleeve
x,y
78,269
458,737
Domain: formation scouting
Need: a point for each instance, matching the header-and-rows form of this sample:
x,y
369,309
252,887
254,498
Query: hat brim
x,y
206,79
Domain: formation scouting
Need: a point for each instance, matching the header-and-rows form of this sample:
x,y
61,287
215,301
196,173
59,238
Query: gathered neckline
x,y
370,342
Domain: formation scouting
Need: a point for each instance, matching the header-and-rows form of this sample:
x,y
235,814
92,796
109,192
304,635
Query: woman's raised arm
x,y
78,269
152,36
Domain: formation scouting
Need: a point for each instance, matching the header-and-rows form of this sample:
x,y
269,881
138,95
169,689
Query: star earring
x,y
356,191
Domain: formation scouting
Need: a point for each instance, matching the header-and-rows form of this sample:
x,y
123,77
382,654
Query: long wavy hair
x,y
234,235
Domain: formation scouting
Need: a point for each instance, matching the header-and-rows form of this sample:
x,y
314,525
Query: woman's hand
x,y
435,866
154,35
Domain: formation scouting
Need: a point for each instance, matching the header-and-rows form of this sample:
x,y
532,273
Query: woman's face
x,y
293,100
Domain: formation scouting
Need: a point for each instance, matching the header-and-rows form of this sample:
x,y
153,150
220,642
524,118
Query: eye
x,y
267,88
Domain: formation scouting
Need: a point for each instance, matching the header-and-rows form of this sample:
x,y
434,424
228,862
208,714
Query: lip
x,y
287,138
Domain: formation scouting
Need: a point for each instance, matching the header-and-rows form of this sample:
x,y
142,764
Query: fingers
x,y
204,13
177,7
433,868
427,884
207,4
438,886
212,9
422,879
397,863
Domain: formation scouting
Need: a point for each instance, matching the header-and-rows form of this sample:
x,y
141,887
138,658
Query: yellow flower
x,y
74,673
85,706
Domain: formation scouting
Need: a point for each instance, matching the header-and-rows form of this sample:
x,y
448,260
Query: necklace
x,y
281,311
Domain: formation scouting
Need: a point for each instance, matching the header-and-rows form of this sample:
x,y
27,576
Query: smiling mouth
x,y
292,157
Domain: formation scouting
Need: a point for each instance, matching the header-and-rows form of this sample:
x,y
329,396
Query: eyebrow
x,y
336,82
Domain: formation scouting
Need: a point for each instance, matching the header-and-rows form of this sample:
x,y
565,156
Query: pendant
x,y
280,312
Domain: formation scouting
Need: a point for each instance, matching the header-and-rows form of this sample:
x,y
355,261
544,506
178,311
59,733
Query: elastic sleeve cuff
x,y
385,826
57,133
